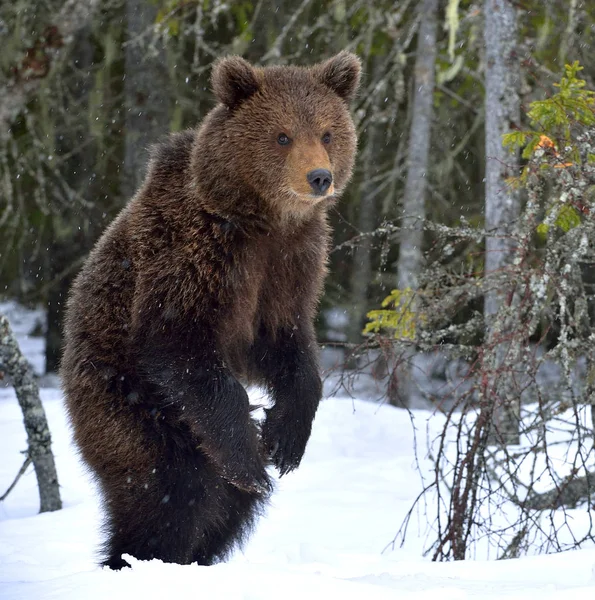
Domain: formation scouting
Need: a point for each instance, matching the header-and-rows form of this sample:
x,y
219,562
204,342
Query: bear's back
x,y
99,308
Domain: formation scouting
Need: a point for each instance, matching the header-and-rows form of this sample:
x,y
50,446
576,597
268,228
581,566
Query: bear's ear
x,y
341,73
233,81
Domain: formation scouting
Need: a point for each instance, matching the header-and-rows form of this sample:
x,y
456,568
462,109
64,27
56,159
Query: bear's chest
x,y
267,286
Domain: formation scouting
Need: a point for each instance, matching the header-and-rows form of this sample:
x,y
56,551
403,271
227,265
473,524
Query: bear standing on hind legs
x,y
208,280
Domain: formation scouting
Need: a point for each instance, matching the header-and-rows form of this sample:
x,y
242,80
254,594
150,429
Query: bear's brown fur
x,y
209,279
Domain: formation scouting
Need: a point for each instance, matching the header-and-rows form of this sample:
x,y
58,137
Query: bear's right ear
x,y
233,81
341,73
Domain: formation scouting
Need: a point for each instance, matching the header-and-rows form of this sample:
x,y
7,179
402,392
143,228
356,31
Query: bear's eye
x,y
326,138
283,139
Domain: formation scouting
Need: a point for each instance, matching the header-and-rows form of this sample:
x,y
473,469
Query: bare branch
x,y
21,472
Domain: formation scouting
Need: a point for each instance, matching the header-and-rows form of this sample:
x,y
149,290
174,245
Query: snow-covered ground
x,y
325,535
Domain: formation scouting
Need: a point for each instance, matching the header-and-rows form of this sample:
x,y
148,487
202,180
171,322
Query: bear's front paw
x,y
284,441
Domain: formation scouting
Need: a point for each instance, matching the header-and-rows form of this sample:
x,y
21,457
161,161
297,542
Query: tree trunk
x,y
362,260
56,303
38,434
361,275
414,210
502,203
146,92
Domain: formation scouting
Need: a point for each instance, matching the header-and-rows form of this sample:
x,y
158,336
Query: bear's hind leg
x,y
156,514
183,512
154,527
240,510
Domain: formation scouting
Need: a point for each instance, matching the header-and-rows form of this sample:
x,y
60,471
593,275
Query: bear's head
x,y
280,136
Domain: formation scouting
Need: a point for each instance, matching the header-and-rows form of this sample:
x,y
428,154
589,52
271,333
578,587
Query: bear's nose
x,y
320,180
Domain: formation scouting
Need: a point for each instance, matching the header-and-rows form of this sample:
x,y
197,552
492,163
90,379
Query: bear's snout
x,y
320,180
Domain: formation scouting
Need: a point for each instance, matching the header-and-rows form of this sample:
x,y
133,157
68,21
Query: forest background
x,y
481,253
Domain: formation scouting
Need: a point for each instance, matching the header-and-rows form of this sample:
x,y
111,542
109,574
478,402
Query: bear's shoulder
x,y
171,156
166,190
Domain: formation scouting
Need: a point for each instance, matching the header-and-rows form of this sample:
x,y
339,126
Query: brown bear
x,y
208,280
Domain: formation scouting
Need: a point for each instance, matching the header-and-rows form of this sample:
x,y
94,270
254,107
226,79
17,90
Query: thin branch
x,y
21,472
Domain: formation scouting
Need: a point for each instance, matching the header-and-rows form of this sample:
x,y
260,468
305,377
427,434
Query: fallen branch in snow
x,y
38,434
571,492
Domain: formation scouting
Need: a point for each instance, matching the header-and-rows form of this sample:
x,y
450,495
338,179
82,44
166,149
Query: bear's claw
x,y
249,477
283,450
260,485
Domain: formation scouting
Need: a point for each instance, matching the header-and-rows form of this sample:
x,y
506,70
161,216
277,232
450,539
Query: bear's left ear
x,y
341,73
233,81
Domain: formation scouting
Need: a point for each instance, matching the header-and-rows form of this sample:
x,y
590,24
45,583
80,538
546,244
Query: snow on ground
x,y
324,535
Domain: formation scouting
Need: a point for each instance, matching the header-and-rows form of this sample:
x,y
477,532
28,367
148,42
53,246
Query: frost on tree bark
x,y
414,207
146,90
39,440
502,204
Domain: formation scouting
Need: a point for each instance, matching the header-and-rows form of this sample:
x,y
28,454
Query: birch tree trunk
x,y
146,92
502,202
361,275
362,261
414,207
38,434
